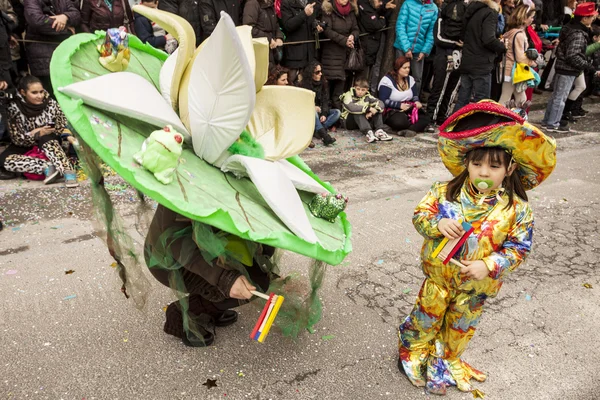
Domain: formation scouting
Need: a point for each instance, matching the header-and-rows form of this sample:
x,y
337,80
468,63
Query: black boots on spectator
x,y
325,136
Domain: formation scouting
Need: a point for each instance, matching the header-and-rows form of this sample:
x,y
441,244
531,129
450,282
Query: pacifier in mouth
x,y
483,184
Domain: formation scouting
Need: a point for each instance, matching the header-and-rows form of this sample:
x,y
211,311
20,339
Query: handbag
x,y
35,152
521,72
355,61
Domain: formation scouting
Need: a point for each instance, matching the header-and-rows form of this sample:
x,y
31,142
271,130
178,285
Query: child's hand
x,y
241,289
476,270
450,228
373,110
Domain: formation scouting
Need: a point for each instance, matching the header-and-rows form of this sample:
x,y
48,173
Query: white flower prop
x,y
218,92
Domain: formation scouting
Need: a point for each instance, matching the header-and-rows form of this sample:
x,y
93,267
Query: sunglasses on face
x,y
319,72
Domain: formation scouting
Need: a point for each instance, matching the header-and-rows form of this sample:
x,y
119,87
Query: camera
x,y
322,24
6,96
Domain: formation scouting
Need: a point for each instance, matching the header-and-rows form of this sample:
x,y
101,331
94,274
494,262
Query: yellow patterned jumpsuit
x,y
448,307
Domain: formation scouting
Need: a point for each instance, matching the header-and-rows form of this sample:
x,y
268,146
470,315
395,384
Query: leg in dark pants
x,y
358,121
336,88
399,121
440,72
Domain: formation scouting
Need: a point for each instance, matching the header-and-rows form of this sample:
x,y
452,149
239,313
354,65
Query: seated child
x,y
363,111
150,32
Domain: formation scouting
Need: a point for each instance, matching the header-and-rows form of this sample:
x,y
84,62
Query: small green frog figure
x,y
160,153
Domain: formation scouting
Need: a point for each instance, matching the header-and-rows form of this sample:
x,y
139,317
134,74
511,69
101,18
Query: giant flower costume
x,y
434,336
213,96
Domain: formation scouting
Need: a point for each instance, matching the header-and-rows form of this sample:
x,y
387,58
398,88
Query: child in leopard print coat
x,y
36,120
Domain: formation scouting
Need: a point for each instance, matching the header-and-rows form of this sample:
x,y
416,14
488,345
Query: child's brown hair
x,y
361,83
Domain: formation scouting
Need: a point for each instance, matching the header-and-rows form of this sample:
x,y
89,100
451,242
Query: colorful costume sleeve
x,y
427,216
516,247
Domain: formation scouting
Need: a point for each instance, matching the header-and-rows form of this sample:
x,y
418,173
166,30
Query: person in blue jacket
x,y
414,35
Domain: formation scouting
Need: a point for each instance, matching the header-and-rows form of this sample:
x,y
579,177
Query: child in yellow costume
x,y
494,156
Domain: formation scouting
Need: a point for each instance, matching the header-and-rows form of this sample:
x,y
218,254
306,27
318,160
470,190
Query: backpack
x,y
452,19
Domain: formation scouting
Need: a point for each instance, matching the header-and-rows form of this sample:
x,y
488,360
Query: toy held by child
x,y
490,152
363,111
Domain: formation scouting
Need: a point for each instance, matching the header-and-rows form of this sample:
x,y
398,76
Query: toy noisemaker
x,y
449,247
267,316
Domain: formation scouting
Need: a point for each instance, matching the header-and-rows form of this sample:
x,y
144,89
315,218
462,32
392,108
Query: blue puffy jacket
x,y
414,27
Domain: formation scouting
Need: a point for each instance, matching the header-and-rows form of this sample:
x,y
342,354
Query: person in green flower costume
x,y
232,189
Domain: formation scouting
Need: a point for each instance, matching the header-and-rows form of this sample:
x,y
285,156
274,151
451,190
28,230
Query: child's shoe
x,y
380,134
413,365
51,174
370,137
71,179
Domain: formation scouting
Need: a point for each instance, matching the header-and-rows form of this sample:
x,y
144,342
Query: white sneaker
x,y
381,135
370,137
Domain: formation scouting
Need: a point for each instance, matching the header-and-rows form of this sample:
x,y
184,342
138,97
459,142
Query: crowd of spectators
x,y
447,53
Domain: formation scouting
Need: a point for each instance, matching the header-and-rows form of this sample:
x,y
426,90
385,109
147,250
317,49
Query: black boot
x,y
174,326
567,116
325,136
577,109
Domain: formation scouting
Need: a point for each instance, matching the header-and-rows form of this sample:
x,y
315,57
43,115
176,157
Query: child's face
x,y
487,170
597,38
360,91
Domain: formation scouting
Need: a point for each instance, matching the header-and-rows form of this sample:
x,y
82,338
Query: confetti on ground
x,y
241,374
69,272
69,297
113,265
528,297
406,291
56,227
477,394
380,262
164,308
16,228
11,272
587,285
327,337
210,383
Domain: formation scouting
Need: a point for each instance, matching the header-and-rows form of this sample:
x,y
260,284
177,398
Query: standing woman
x,y
516,45
342,28
100,15
49,22
35,119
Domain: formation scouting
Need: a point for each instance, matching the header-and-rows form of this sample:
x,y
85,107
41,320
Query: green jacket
x,y
352,104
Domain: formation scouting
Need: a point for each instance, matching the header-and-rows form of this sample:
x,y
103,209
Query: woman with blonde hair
x,y
516,45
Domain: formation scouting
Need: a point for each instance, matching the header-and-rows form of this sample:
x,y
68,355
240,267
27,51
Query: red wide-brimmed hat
x,y
488,124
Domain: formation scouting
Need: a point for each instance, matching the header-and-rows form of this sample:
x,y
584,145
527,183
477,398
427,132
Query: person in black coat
x,y
446,35
372,18
211,14
187,9
481,45
299,24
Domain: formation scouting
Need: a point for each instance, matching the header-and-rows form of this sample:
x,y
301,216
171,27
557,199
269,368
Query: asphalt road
x,y
74,336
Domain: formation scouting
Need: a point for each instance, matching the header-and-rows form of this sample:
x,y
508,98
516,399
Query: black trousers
x,y
398,121
439,98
